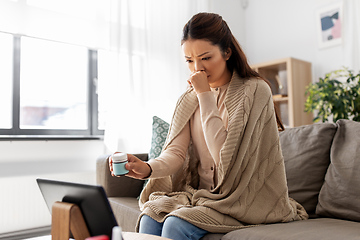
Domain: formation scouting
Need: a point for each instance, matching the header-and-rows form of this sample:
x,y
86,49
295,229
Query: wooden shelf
x,y
282,99
288,78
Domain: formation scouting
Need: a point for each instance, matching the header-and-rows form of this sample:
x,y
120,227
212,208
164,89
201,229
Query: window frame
x,y
92,131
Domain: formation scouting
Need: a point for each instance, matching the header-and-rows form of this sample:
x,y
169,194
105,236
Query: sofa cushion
x,y
126,211
306,152
160,129
213,236
340,194
312,229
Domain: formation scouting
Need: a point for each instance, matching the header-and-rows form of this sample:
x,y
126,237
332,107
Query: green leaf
x,y
330,96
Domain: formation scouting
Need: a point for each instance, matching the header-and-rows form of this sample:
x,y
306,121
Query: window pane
x,y
6,70
53,85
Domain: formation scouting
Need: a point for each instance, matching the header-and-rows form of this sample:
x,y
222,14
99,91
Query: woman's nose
x,y
198,66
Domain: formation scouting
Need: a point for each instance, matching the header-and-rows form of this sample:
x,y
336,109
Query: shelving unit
x,y
288,78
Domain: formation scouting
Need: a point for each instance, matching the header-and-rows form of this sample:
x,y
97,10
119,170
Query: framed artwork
x,y
329,25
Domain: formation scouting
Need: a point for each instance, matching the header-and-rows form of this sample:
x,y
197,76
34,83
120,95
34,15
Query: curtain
x,y
352,34
150,69
143,73
79,22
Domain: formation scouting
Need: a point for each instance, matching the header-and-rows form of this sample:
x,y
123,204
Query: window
x,y
47,88
53,85
6,73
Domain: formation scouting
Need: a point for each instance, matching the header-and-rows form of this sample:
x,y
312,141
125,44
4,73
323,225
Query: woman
x,y
221,167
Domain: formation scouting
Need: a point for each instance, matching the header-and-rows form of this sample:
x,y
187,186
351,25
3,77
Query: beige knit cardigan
x,y
251,187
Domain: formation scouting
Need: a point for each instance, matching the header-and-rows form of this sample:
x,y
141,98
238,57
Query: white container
x,y
118,161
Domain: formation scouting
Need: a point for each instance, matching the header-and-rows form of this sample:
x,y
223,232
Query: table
x,y
141,236
126,236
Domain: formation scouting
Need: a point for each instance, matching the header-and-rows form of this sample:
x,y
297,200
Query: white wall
x,y
18,158
21,162
234,15
286,28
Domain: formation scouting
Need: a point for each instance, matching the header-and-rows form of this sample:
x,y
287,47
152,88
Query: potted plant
x,y
336,95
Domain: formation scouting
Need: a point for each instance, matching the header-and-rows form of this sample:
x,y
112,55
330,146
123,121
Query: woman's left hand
x,y
137,168
199,81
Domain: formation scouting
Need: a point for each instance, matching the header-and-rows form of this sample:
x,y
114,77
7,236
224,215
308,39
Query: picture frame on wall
x,y
329,21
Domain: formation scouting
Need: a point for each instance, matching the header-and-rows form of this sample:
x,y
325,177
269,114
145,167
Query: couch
x,y
322,164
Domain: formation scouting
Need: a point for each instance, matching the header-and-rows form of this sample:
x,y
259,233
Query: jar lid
x,y
119,157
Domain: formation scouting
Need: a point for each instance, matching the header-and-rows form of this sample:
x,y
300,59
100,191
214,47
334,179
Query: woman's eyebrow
x,y
198,55
202,54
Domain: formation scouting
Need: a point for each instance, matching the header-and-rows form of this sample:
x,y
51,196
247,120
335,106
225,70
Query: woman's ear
x,y
228,53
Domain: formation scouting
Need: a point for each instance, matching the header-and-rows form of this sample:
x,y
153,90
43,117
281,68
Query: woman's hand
x,y
137,168
199,81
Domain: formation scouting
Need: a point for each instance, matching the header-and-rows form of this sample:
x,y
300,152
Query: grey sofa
x,y
322,164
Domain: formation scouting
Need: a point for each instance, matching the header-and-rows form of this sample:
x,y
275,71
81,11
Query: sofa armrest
x,y
117,186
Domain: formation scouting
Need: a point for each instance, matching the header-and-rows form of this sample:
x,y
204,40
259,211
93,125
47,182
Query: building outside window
x,y
53,85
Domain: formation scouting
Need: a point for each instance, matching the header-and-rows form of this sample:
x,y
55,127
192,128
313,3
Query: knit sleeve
x,y
173,157
212,123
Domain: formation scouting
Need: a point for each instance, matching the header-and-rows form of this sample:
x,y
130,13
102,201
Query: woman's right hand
x,y
199,81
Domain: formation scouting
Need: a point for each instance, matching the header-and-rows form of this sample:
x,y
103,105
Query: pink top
x,y
208,128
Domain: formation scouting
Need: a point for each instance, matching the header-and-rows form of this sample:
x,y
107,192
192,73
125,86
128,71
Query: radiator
x,y
22,206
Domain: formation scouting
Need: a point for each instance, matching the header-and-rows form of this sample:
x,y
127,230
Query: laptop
x,y
91,199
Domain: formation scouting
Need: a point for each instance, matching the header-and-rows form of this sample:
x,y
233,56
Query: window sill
x,y
49,137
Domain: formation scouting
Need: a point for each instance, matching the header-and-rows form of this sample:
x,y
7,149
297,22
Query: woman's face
x,y
202,55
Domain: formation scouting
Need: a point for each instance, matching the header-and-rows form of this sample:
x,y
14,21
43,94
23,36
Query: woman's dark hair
x,y
211,27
